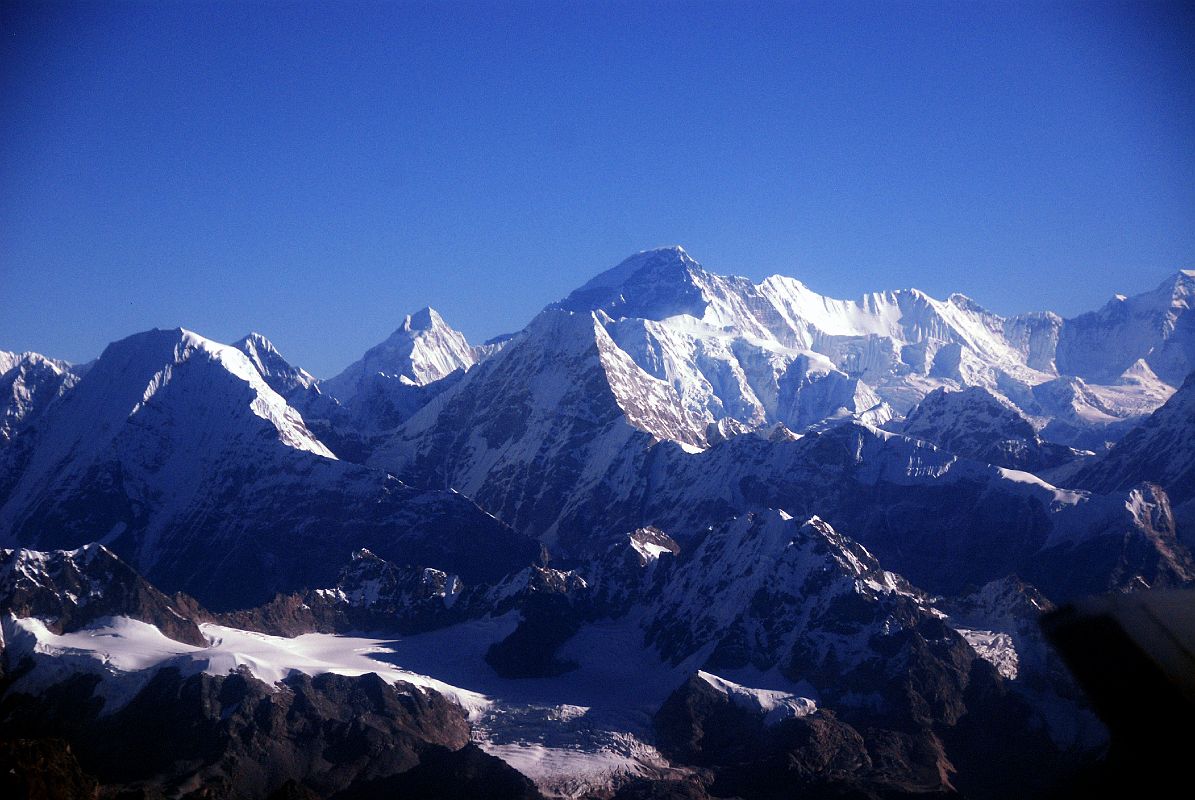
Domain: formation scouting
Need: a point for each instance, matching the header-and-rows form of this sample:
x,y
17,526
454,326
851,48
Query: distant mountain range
x,y
634,547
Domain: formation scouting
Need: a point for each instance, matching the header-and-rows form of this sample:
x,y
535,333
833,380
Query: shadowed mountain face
x,y
29,383
976,424
236,736
177,454
633,549
1160,450
879,689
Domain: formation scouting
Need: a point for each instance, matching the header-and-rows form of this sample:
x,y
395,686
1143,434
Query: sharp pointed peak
x,y
425,319
659,257
673,249
256,340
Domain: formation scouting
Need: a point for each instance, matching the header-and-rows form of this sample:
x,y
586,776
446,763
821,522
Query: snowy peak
x,y
974,423
168,401
1156,326
280,374
1179,288
425,319
558,406
175,452
882,338
659,262
423,350
10,361
899,344
29,383
653,284
566,364
190,370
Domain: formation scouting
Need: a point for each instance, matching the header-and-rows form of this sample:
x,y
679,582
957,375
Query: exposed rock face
x,y
941,521
392,596
545,422
1035,336
649,487
901,698
43,769
827,754
700,725
583,427
237,737
68,589
1137,547
444,774
552,606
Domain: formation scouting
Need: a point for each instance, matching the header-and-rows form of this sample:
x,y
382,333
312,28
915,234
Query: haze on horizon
x,y
316,173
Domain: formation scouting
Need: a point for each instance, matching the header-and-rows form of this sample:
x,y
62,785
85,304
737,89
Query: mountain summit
x,y
653,284
424,349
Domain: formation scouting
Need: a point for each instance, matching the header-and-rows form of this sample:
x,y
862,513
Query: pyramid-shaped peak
x,y
659,258
258,341
425,319
422,350
652,284
674,251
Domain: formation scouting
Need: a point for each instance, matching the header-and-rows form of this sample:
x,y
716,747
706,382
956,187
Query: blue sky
x,y
315,172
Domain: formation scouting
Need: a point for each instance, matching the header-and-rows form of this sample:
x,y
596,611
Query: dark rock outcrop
x,y
235,736
68,589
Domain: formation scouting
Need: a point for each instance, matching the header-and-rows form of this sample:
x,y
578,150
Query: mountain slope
x,y
282,377
174,452
558,408
808,630
942,521
977,424
69,589
1161,450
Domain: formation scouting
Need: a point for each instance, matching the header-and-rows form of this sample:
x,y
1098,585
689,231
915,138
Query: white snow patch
x,y
649,550
776,706
119,646
994,647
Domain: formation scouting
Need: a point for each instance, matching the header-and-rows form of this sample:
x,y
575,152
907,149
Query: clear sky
x,y
315,172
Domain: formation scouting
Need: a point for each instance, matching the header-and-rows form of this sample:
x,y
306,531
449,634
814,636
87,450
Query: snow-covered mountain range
x,y
696,473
